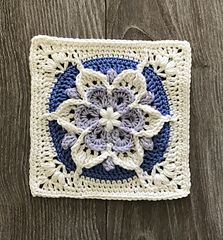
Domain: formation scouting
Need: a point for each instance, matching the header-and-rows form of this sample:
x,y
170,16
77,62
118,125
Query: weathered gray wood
x,y
22,216
200,216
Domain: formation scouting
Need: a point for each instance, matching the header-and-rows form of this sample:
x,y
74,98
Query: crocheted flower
x,y
109,119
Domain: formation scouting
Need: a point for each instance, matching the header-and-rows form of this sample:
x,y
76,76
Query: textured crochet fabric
x,y
109,118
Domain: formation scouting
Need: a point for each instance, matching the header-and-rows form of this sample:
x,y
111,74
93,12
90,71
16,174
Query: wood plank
x,y
22,216
200,215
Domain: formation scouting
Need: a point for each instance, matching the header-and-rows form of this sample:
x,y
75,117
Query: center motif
x,y
109,119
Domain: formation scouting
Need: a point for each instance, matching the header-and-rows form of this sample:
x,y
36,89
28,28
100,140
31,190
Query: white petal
x,y
116,115
103,121
132,79
153,122
103,112
68,126
109,126
88,78
86,158
63,115
129,160
116,122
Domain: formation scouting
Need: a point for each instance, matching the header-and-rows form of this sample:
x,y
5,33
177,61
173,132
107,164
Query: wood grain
x,y
22,216
199,216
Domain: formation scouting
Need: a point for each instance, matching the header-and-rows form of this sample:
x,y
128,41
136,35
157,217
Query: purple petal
x,y
132,119
111,75
72,93
147,143
108,164
97,139
121,98
68,140
86,117
121,140
98,96
147,99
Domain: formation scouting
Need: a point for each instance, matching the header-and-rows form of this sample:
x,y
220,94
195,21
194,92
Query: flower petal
x,y
86,117
147,143
68,140
89,78
154,122
147,99
84,157
121,98
97,95
132,79
111,75
65,115
121,140
72,93
108,164
133,119
97,139
131,159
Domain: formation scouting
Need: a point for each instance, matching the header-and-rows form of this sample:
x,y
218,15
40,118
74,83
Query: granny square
x,y
109,118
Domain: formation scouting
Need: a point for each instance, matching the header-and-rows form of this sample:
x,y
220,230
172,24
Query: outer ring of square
x,y
42,149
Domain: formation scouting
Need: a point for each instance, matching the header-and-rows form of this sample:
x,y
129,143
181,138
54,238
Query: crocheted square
x,y
109,118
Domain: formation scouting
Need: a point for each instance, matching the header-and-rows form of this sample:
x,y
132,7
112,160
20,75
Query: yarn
x,y
109,118
130,118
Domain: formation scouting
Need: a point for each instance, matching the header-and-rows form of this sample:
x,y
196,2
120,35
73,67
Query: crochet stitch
x,y
110,122
159,100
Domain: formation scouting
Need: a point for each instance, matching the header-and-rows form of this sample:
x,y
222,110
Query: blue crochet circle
x,y
154,85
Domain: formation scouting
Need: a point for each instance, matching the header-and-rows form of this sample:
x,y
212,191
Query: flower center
x,y
109,118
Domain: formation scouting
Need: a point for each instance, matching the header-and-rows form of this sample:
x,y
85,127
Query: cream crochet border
x,y
169,179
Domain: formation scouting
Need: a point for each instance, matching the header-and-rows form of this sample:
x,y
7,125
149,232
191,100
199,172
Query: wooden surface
x,y
199,216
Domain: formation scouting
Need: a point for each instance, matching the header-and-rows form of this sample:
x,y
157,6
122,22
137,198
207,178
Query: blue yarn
x,y
154,85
